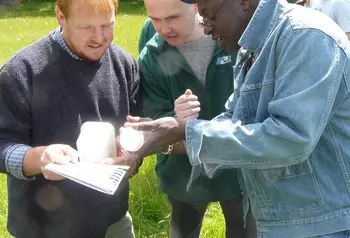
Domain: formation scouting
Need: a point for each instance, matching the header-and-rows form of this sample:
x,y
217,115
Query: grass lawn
x,y
33,19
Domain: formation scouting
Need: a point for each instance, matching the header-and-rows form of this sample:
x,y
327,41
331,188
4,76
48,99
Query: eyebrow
x,y
170,16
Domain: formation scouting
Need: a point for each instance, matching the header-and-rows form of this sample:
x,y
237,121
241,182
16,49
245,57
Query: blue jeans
x,y
341,234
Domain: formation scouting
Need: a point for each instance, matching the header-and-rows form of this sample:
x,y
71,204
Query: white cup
x,y
96,142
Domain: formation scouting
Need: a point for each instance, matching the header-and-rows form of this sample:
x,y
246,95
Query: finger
x,y
186,98
149,147
194,103
123,160
188,113
192,117
133,119
142,126
188,92
137,119
62,159
109,161
51,176
186,106
72,153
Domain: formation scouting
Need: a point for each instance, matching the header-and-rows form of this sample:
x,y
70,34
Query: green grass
x,y
33,19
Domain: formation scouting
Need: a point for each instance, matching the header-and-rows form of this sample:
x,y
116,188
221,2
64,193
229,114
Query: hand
x,y
162,132
187,106
132,139
58,154
128,160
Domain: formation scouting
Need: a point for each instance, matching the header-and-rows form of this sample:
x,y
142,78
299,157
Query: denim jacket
x,y
287,124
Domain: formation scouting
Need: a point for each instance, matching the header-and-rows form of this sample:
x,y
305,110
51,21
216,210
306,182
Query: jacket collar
x,y
262,23
157,44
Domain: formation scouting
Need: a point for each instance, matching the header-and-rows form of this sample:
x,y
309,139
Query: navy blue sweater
x,y
45,96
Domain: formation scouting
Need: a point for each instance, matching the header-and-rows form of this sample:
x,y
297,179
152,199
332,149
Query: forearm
x,y
179,148
215,146
31,161
22,161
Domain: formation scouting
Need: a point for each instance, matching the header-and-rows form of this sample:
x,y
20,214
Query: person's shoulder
x,y
304,17
148,28
35,54
147,25
119,54
305,20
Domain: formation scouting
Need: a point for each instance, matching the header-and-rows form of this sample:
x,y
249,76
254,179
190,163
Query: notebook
x,y
101,177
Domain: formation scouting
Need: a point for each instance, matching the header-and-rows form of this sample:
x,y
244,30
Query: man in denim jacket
x,y
287,124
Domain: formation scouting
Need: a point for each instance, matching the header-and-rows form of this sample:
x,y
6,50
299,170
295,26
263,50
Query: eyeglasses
x,y
207,21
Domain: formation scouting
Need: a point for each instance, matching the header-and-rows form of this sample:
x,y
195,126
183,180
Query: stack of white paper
x,y
101,177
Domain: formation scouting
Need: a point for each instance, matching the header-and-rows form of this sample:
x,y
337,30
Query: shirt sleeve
x,y
14,161
343,15
15,118
298,112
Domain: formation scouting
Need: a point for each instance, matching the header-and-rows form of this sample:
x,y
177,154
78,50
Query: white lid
x,y
131,139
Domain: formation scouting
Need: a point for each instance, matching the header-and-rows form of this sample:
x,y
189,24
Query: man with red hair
x,y
47,91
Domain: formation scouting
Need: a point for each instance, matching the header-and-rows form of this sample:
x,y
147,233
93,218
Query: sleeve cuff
x,y
194,138
14,161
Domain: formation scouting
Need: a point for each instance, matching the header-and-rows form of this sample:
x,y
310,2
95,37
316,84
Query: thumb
x,y
109,161
62,159
70,152
142,126
119,161
188,92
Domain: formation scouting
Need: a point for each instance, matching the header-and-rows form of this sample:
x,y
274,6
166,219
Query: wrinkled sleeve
x,y
286,137
15,121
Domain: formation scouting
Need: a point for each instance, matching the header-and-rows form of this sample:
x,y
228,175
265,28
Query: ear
x,y
195,8
60,17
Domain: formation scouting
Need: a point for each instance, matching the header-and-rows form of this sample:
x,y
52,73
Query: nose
x,y
165,26
208,30
165,29
98,35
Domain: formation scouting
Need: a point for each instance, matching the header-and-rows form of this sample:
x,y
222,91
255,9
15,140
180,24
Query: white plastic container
x,y
96,142
130,139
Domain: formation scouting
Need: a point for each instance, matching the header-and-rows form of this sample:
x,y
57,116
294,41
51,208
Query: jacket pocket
x,y
294,188
253,100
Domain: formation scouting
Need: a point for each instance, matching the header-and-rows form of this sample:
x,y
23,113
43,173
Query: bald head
x,y
175,20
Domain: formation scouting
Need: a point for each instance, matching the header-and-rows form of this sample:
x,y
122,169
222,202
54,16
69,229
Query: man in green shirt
x,y
180,58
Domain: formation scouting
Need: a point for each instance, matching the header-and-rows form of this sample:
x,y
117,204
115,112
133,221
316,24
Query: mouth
x,y
219,38
171,36
95,46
